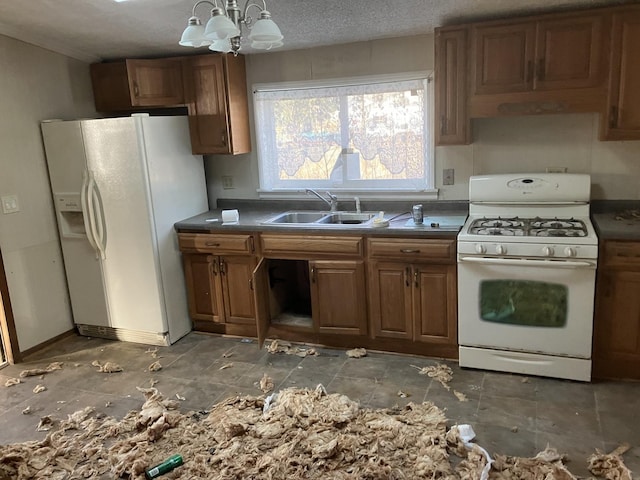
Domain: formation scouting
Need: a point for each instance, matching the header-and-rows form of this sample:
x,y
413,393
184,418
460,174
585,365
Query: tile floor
x,y
511,414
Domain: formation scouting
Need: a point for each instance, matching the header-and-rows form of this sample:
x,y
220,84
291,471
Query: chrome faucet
x,y
332,202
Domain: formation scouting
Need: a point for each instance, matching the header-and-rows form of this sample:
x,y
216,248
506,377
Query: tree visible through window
x,y
366,134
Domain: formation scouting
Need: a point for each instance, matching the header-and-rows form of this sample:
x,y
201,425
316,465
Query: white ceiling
x,y
91,30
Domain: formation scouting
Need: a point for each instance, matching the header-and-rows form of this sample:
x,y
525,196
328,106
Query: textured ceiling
x,y
104,29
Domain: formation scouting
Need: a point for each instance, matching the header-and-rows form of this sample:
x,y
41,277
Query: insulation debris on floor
x,y
107,367
41,371
443,374
285,347
356,353
299,433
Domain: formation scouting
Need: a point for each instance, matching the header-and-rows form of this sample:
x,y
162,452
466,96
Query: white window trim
x,y
427,193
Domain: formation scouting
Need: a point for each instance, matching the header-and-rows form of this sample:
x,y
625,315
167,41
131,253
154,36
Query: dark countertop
x,y
617,225
449,223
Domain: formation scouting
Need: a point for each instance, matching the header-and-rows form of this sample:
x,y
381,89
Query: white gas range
x,y
526,275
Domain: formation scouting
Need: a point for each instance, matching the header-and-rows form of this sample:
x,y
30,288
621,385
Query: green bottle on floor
x,y
169,464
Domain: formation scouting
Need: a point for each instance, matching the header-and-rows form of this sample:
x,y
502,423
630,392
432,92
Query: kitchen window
x,y
368,134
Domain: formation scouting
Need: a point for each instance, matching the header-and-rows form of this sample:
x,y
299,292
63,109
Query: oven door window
x,y
524,302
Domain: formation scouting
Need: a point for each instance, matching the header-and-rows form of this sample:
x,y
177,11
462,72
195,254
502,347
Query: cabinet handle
x,y
409,250
416,277
252,245
251,284
407,274
214,267
443,124
212,244
313,274
540,72
613,116
136,90
223,267
223,137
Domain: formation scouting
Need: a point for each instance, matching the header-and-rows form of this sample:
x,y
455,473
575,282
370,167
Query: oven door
x,y
529,305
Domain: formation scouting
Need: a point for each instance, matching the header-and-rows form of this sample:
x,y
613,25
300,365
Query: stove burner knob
x,y
480,248
547,251
570,252
501,249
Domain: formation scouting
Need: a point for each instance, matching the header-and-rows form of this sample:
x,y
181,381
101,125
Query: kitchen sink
x,y
297,217
318,219
347,218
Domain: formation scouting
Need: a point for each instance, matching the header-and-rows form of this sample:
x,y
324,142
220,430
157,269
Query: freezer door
x,y
115,160
66,160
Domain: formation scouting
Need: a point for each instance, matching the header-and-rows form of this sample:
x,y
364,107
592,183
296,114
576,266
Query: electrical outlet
x,y
10,204
227,182
556,169
448,176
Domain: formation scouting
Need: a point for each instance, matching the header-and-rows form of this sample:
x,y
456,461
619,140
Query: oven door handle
x,y
529,263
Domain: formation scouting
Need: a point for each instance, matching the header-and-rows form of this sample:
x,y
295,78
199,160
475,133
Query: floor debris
x,y
289,349
41,371
27,410
154,367
266,383
226,365
356,353
305,433
153,352
180,397
39,388
12,381
610,465
227,354
153,382
108,367
45,424
402,394
441,372
460,396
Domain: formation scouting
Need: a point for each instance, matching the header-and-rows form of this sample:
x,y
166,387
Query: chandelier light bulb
x,y
193,35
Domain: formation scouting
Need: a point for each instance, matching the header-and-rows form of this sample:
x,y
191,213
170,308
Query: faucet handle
x,y
332,196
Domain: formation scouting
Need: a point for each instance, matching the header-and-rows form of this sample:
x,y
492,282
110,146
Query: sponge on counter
x,y
379,221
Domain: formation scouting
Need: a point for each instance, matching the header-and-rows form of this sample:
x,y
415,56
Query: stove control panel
x,y
516,249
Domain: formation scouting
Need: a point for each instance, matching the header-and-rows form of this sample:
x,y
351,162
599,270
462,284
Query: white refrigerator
x,y
119,185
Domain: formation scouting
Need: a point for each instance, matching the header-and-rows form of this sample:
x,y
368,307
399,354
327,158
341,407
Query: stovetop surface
x,y
532,227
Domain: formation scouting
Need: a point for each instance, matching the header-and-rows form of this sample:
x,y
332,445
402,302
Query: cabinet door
x,y
622,121
201,273
504,57
390,304
207,104
569,52
155,82
338,299
434,303
236,275
452,122
616,344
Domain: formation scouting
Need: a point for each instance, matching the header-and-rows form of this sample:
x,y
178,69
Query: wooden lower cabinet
x,y
220,287
413,302
616,336
338,301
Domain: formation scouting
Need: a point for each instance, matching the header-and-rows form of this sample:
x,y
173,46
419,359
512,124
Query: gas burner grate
x,y
537,227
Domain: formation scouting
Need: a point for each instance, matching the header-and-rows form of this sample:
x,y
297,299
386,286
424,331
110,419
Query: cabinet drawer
x,y
212,243
621,254
316,244
401,248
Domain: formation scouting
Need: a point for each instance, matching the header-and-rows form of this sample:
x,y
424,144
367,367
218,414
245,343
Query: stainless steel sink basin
x,y
318,219
297,217
347,218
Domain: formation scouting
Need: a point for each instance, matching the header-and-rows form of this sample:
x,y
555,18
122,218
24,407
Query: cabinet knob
x,y
136,90
416,278
223,137
409,250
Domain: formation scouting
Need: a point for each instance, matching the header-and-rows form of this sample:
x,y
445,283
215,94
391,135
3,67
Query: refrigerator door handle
x,y
96,230
86,213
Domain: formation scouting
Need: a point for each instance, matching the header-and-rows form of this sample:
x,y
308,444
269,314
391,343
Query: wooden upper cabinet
x,y
553,53
216,91
622,118
503,57
452,121
130,84
569,52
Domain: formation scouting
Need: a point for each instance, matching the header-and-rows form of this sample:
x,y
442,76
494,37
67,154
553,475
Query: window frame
x,y
427,192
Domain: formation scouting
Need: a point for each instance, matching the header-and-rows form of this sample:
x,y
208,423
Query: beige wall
x,y
524,144
35,84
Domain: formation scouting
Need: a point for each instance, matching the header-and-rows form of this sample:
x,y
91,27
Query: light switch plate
x,y
10,204
227,182
448,176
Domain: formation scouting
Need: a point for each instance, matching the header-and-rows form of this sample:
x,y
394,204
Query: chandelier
x,y
223,32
